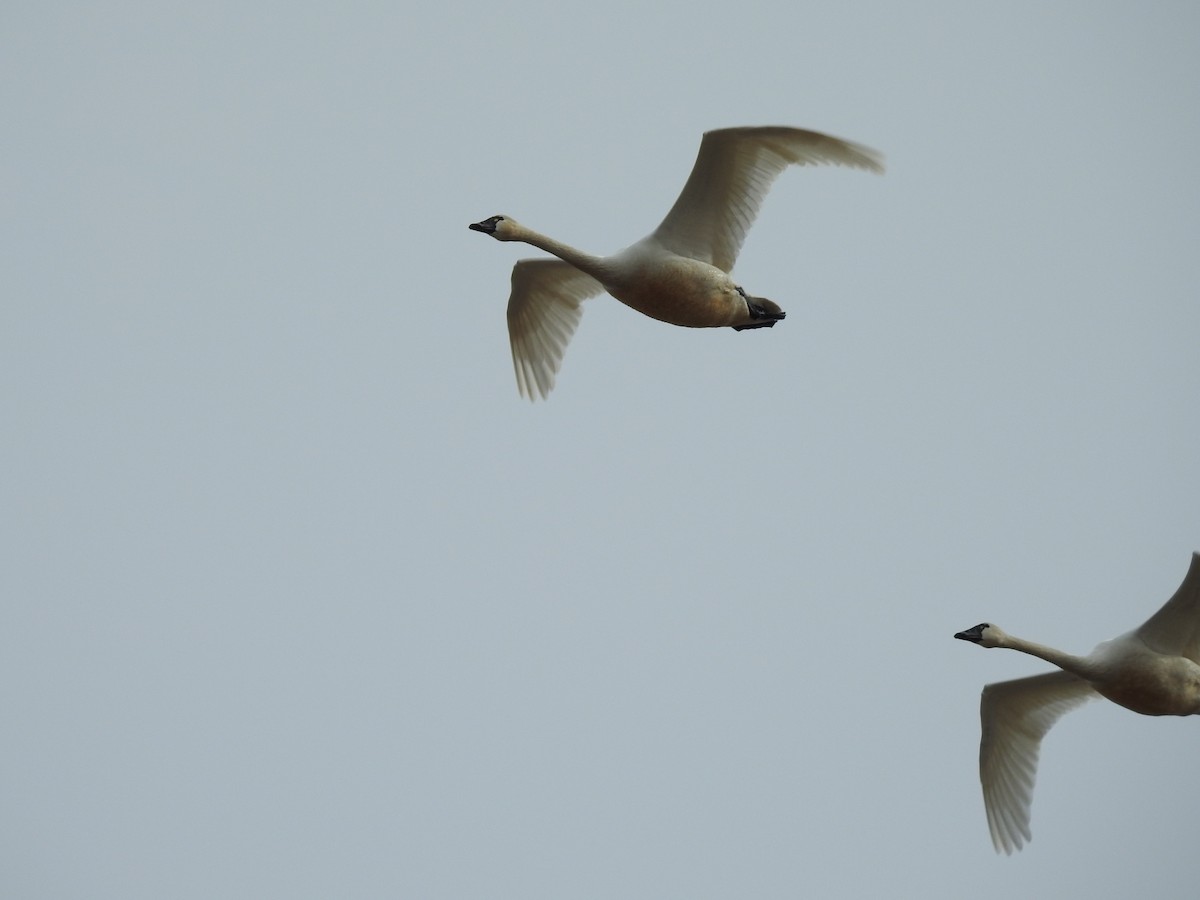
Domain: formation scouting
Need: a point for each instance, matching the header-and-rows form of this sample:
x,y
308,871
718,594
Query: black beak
x,y
485,227
974,635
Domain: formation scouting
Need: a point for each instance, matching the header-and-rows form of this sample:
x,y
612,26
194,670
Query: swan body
x,y
1153,670
679,273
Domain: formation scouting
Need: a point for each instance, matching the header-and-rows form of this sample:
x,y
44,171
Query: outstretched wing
x,y
1175,629
733,172
544,309
1016,716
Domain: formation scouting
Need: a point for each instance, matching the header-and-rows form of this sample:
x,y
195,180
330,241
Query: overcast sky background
x,y
301,599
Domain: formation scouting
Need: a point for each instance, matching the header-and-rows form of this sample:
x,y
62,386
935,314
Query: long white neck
x,y
1082,666
585,262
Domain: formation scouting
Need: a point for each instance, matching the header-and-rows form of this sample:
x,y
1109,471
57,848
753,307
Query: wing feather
x,y
1016,716
734,170
1175,629
544,309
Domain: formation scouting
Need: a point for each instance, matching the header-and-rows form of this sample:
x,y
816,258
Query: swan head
x,y
502,228
984,634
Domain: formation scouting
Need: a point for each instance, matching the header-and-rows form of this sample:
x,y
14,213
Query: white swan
x,y
1153,670
678,273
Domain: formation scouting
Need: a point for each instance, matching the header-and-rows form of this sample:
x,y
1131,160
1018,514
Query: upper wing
x,y
1016,715
733,172
544,309
1175,629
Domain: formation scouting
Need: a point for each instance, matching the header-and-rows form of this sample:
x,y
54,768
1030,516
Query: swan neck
x,y
1076,665
592,265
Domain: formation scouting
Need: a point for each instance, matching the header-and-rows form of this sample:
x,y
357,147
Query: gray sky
x,y
301,599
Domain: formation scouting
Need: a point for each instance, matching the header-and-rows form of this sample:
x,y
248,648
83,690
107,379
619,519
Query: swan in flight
x,y
680,272
1153,670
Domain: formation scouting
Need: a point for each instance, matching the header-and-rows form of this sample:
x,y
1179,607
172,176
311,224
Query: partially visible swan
x,y
680,272
1153,670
